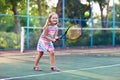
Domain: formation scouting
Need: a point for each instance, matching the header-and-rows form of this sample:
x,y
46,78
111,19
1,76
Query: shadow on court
x,y
74,65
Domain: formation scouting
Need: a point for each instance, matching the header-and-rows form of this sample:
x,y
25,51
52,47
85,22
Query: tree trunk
x,y
40,12
59,8
104,18
16,18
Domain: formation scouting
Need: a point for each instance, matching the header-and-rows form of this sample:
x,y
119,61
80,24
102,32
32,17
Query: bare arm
x,y
56,35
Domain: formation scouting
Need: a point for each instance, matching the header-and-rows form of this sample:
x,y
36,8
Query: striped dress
x,y
43,44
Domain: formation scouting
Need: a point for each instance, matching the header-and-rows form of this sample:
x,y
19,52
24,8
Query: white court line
x,y
28,76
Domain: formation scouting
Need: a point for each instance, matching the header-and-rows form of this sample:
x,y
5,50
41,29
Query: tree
x,y
10,6
15,11
104,7
41,10
5,21
74,9
117,15
59,8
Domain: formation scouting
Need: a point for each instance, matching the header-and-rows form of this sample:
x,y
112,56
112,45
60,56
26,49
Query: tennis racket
x,y
72,32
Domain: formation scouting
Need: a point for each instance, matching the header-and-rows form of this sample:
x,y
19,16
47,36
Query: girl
x,y
45,44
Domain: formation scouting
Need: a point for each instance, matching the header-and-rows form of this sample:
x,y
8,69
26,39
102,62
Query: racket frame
x,y
62,36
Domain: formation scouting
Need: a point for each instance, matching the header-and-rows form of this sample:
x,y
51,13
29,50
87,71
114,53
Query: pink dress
x,y
43,44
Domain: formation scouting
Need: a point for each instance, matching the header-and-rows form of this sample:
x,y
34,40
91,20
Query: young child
x,y
45,43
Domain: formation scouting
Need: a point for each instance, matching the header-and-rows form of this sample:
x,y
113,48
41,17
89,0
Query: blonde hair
x,y
49,16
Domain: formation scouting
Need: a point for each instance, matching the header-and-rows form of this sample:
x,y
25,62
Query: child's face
x,y
54,19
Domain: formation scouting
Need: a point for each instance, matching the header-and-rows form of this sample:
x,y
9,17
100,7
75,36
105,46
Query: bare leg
x,y
38,58
52,58
52,61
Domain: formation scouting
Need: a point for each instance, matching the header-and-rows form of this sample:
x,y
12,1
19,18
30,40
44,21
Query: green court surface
x,y
74,65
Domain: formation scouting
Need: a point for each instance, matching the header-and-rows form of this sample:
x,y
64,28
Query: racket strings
x,y
74,32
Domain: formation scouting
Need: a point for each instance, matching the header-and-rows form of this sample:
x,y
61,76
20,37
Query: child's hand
x,y
56,37
53,40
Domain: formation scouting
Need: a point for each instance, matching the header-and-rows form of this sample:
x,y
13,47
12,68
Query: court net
x,y
90,37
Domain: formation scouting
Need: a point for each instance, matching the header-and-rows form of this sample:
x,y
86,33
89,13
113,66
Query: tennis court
x,y
75,64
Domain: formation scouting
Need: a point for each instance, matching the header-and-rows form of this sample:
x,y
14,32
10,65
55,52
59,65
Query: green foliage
x,y
34,37
75,9
117,16
117,38
100,38
9,40
7,24
12,40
